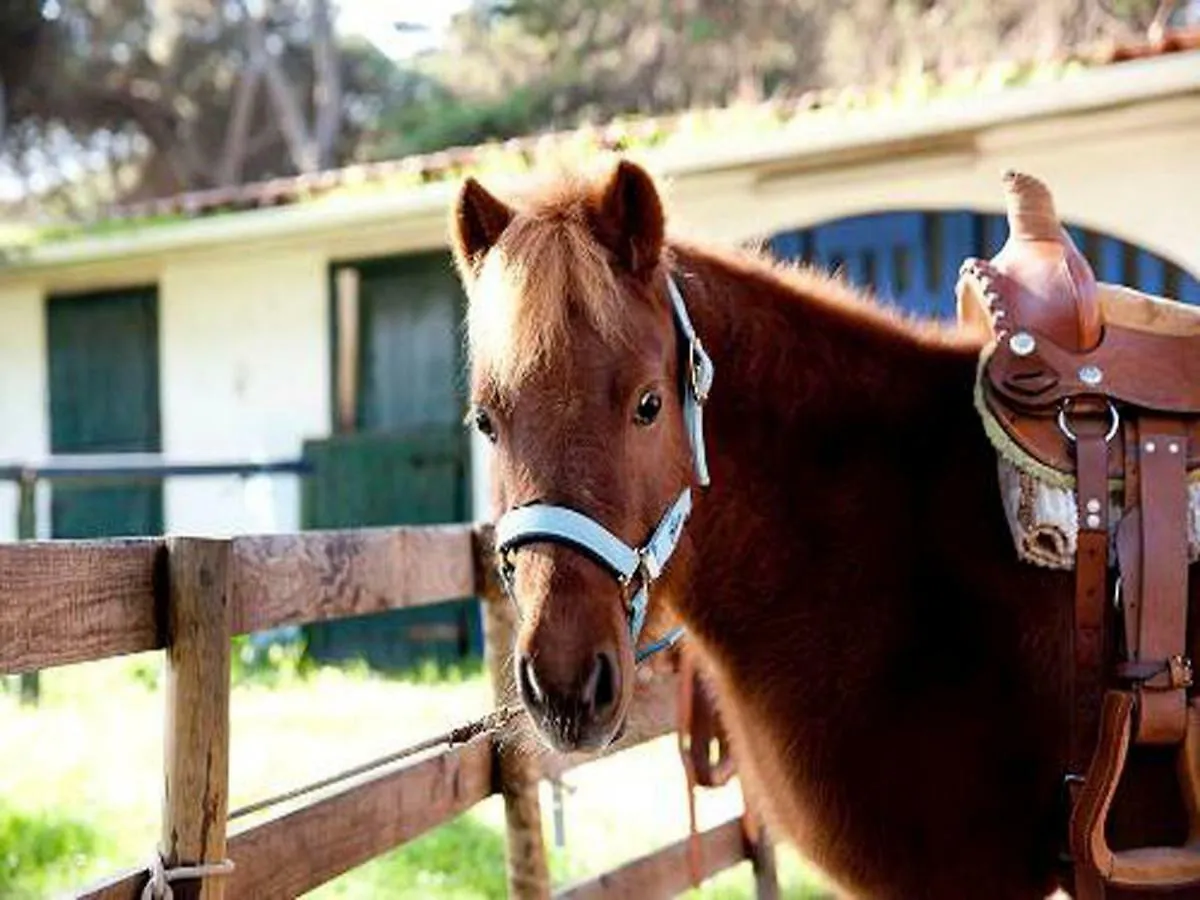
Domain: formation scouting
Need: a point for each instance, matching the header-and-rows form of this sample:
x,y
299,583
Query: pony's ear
x,y
479,220
629,219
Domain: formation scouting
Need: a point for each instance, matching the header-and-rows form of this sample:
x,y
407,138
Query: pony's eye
x,y
482,423
648,408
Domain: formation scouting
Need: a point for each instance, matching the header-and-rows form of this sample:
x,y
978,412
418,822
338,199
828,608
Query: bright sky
x,y
376,19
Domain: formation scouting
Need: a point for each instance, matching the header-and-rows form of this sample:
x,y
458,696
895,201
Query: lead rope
x,y
159,885
686,699
489,724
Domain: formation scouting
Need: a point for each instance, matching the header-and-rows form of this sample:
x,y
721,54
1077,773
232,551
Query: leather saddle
x,y
1099,384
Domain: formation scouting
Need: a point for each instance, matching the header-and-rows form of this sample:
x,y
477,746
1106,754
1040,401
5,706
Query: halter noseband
x,y
538,522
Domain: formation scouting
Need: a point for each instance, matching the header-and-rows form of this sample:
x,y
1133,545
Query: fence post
x,y
197,716
31,688
762,859
528,872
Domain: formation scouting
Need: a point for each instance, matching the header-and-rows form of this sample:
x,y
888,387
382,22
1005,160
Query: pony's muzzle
x,y
579,713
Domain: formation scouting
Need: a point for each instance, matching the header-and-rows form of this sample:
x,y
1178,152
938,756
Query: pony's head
x,y
575,382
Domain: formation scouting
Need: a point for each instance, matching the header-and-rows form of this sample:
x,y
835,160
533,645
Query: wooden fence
x,y
74,601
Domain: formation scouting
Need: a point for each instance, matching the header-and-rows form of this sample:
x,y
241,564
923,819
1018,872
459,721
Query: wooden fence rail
x,y
75,601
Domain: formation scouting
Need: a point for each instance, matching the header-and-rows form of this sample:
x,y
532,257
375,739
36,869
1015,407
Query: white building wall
x,y
244,347
1120,171
24,428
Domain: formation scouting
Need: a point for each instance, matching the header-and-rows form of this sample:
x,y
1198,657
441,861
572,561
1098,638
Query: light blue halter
x,y
544,522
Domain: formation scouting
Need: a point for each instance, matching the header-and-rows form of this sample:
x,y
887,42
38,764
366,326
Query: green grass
x,y
462,860
80,778
37,851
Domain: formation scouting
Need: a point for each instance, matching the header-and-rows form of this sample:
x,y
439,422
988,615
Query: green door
x,y
408,463
411,363
103,376
372,479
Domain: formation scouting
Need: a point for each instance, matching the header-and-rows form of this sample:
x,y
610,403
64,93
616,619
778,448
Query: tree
x,y
515,66
23,36
870,41
104,100
153,97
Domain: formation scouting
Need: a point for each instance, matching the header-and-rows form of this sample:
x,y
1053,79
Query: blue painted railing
x,y
912,258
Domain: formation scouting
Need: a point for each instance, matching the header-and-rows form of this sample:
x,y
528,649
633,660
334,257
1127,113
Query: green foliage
x,y
282,661
270,663
38,852
98,119
462,860
452,122
95,777
431,672
147,672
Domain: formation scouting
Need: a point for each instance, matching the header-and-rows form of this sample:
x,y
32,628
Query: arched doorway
x,y
912,258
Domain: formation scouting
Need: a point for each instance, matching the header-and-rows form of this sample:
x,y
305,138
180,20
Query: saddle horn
x,y
1050,284
1030,208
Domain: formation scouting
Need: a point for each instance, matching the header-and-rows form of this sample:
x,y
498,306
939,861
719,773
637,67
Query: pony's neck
x,y
824,407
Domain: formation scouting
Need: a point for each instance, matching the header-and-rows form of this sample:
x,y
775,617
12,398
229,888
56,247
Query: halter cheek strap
x,y
698,372
539,522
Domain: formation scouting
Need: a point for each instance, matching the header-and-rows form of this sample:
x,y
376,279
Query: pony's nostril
x,y
531,691
601,687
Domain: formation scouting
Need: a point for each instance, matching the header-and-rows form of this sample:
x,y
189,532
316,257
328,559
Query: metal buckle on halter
x,y
505,569
644,569
700,370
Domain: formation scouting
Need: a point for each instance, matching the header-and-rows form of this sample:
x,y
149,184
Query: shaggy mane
x,y
546,271
814,287
549,271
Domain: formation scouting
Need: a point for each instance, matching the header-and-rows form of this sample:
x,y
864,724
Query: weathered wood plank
x,y
72,601
126,885
297,851
762,860
196,726
309,577
665,872
652,716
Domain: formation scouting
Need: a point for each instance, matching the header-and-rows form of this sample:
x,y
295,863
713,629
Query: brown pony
x,y
893,679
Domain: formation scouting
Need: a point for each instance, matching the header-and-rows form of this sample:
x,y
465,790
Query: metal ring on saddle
x,y
1113,416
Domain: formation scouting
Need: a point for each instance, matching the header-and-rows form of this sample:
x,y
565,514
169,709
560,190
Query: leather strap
x,y
1091,583
1129,543
560,524
698,381
1140,368
538,521
1040,437
543,522
1162,632
687,698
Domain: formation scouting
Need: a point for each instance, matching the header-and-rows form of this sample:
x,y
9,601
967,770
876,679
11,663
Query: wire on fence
x,y
489,724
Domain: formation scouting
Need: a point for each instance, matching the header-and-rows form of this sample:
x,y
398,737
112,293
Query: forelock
x,y
546,273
